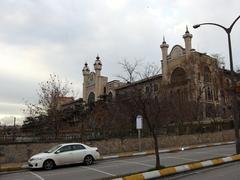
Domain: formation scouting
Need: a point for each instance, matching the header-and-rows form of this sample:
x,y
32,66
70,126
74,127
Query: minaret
x,y
98,66
188,41
164,47
98,79
86,73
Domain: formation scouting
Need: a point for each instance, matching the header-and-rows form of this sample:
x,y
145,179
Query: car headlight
x,y
35,159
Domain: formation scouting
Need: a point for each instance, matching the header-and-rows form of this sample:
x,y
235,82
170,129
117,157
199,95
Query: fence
x,y
104,134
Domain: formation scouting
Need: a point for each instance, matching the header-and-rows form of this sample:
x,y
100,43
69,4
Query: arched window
x,y
110,96
207,74
155,87
228,82
178,76
208,94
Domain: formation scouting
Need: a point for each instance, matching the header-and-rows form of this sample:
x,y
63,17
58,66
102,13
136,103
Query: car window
x,y
65,149
78,147
53,149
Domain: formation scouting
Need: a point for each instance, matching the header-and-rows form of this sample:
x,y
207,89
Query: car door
x,y
64,155
79,152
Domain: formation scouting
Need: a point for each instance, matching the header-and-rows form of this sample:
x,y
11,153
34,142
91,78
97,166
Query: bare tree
x,y
237,69
130,70
220,59
151,105
51,96
150,70
144,102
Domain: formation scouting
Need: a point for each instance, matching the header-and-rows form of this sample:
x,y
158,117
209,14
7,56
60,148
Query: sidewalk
x,y
21,166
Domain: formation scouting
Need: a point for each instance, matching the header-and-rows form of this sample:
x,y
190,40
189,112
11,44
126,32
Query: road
x,y
120,166
227,171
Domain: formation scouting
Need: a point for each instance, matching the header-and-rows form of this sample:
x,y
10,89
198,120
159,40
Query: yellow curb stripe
x,y
167,171
125,154
150,151
236,157
217,161
193,147
134,177
10,168
195,165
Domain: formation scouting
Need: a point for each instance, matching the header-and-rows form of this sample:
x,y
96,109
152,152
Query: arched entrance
x,y
178,76
91,100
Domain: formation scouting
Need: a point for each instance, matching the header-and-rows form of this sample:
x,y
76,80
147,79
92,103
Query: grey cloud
x,y
17,90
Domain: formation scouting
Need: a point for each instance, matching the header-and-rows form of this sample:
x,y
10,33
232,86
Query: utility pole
x,y
14,128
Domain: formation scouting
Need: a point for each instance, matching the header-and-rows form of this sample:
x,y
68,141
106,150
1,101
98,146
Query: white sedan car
x,y
64,154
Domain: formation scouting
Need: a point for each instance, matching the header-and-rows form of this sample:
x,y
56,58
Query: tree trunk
x,y
156,150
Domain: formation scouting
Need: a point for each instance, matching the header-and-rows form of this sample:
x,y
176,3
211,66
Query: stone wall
x,y
21,152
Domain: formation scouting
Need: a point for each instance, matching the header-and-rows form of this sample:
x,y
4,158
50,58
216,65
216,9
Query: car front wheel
x,y
88,160
48,164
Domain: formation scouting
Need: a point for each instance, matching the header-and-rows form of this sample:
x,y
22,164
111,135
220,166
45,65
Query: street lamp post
x,y
234,95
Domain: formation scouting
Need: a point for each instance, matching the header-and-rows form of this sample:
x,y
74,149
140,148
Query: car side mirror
x,y
57,152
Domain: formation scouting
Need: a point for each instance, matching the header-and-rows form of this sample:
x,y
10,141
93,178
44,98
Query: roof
x,y
72,102
140,81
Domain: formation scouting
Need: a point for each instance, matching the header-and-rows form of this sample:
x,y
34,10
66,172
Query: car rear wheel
x,y
88,160
48,164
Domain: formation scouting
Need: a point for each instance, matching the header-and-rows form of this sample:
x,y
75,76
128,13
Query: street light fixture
x,y
234,95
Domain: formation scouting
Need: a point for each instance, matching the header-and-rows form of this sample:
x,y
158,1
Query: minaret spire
x,y
187,29
188,41
164,47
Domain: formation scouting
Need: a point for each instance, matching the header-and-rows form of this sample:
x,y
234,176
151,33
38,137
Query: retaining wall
x,y
13,153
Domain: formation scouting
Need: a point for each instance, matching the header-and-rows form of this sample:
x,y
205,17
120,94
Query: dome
x,y
98,63
86,69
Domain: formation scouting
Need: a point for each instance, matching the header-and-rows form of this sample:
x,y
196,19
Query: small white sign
x,y
139,122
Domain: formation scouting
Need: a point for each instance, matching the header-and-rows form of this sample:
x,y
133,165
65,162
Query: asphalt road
x,y
227,171
120,166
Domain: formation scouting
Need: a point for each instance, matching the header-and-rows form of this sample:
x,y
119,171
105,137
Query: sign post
x,y
139,127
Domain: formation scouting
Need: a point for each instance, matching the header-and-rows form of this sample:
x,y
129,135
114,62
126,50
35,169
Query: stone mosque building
x,y
184,71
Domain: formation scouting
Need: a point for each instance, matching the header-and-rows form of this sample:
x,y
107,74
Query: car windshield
x,y
53,149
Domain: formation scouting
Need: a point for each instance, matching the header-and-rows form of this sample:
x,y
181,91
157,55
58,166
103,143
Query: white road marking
x,y
171,157
103,172
39,177
205,152
151,174
139,163
182,168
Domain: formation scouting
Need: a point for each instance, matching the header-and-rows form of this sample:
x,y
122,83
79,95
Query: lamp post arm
x,y
230,28
215,24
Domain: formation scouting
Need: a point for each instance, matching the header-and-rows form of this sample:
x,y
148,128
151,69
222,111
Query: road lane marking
x,y
138,163
171,157
219,154
103,172
36,175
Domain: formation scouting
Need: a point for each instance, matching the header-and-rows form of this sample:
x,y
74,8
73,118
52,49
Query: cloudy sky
x,y
41,37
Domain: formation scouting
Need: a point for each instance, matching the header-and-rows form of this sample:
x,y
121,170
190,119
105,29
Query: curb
x,y
21,166
12,167
179,169
165,150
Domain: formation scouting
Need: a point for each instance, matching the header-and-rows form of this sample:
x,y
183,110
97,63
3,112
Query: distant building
x,y
185,72
95,85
